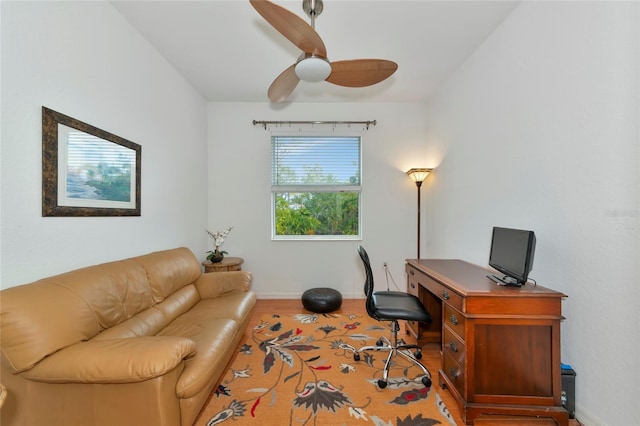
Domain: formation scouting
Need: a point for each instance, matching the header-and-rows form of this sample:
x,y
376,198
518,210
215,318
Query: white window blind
x,y
315,161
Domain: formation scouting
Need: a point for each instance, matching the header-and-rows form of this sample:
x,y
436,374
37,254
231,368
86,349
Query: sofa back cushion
x,y
169,270
150,321
40,318
114,291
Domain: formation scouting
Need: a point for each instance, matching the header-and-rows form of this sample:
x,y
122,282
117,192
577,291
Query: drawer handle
x,y
413,285
445,295
453,373
453,346
411,271
453,319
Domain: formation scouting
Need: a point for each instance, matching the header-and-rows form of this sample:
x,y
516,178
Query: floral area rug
x,y
299,370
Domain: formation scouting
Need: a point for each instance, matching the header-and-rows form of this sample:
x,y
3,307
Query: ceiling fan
x,y
313,64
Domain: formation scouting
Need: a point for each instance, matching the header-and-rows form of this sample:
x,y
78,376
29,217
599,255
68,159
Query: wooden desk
x,y
500,345
226,264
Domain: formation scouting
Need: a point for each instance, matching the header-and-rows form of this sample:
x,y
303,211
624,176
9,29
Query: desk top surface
x,y
469,279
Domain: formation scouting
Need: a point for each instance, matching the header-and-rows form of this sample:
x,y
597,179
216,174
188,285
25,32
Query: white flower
x,y
219,236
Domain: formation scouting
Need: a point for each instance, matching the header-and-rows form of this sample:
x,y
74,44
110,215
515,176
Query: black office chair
x,y
392,306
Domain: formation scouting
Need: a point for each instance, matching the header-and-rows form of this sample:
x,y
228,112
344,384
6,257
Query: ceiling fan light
x,y
313,69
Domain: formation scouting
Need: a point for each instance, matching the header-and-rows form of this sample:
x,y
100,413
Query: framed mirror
x,y
87,171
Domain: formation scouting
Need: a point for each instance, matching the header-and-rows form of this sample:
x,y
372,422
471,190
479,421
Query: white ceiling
x,y
226,50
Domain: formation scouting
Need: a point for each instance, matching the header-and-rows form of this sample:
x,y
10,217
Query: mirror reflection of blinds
x,y
315,161
85,150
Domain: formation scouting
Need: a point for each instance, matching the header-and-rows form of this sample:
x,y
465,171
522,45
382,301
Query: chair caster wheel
x,y
356,356
379,342
426,381
418,354
382,384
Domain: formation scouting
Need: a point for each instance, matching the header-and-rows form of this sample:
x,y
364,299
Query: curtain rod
x,y
280,123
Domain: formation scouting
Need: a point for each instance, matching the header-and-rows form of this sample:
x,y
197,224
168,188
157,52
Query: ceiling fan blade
x,y
361,72
290,25
283,85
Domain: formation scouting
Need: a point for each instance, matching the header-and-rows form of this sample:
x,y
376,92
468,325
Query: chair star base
x,y
394,348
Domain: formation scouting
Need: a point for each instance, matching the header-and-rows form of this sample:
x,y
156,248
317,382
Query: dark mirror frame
x,y
50,207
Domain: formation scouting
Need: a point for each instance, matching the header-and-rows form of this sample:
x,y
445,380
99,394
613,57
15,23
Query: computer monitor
x,y
512,252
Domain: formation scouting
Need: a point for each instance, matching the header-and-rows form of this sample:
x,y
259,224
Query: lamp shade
x,y
419,175
313,69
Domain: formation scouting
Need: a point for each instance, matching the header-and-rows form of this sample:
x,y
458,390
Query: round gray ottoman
x,y
321,300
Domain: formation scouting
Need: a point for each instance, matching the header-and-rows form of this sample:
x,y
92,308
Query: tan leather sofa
x,y
141,341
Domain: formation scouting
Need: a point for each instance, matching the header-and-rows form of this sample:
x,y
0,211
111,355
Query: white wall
x,y
239,196
539,130
84,60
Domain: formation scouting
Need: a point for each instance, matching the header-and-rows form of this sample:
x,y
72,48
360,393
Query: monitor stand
x,y
505,281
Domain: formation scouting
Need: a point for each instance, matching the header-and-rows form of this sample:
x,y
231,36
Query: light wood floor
x,y
430,355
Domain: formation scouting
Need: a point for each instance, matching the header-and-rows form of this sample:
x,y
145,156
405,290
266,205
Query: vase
x,y
216,257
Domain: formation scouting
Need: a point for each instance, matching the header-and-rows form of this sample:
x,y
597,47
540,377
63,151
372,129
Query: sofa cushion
x,y
236,306
169,271
211,286
146,323
39,319
212,338
154,319
179,302
114,291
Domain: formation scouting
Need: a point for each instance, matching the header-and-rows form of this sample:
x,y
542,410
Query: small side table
x,y
227,264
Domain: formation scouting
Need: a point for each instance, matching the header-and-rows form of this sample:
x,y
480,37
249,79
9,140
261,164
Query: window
x,y
315,187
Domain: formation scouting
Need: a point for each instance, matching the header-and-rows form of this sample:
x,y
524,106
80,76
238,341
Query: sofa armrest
x,y
216,284
113,361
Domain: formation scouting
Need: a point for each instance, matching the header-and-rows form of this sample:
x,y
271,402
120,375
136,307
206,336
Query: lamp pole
x,y
419,185
419,175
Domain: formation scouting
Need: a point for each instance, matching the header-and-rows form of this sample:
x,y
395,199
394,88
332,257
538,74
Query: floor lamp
x,y
418,176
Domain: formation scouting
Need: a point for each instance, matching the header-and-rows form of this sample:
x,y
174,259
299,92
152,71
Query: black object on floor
x,y
569,389
321,300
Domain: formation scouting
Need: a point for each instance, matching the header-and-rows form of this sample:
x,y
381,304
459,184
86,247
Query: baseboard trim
x,y
586,418
299,295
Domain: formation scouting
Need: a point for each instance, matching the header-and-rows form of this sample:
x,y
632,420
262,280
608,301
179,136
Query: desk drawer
x,y
414,326
439,290
454,346
453,319
454,372
413,288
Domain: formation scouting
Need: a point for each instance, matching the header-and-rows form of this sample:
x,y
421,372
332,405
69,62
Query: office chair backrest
x,y
368,282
